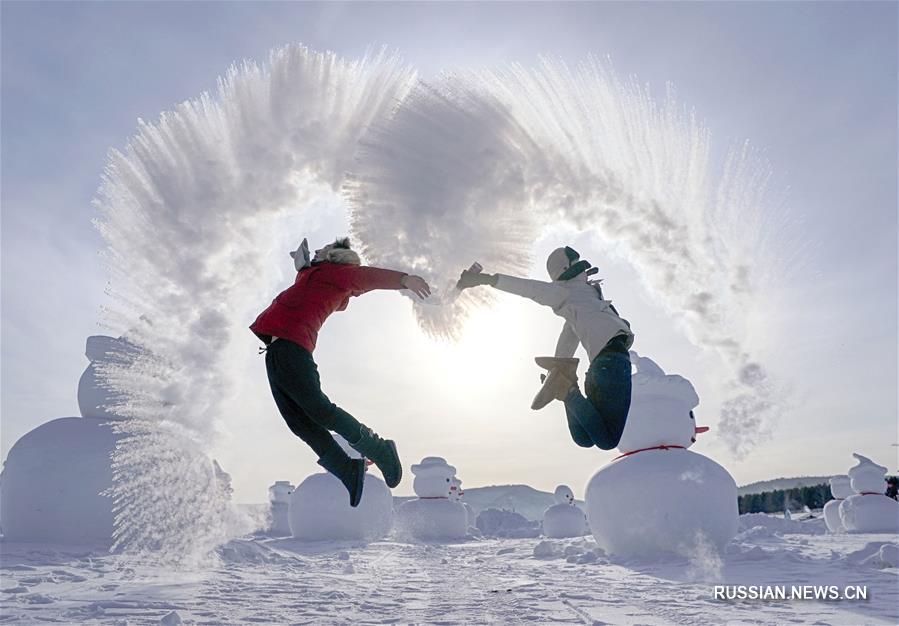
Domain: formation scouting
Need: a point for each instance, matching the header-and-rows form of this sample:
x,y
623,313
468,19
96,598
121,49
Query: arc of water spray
x,y
474,164
185,209
469,166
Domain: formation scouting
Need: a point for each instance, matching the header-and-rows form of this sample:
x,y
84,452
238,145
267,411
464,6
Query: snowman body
x,y
658,496
470,516
564,518
456,495
320,508
279,500
868,510
840,490
432,516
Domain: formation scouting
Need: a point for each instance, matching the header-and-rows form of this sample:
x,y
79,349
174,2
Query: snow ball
x,y
587,557
573,550
887,556
545,549
38,598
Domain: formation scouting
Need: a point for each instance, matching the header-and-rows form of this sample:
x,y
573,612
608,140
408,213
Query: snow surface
x,y
500,581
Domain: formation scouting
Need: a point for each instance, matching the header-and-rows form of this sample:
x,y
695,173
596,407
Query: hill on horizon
x,y
782,483
523,499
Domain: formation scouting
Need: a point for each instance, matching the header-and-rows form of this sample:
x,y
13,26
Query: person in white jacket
x,y
590,320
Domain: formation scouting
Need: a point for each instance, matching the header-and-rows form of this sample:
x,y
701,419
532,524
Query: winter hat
x,y
563,264
343,255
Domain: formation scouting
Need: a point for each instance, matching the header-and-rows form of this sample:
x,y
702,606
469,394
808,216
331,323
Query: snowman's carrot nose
x,y
701,429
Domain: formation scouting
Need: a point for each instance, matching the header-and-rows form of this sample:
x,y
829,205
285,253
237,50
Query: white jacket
x,y
588,319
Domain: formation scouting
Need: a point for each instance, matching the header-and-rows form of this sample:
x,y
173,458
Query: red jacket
x,y
300,310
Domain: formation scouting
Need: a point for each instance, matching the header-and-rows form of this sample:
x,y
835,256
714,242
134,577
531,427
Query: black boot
x,y
351,473
382,452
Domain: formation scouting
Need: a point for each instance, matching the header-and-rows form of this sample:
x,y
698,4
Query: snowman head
x,y
94,396
867,476
840,487
433,477
661,410
280,492
455,492
564,495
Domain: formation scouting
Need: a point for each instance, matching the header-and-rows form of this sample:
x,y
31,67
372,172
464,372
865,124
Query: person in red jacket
x,y
289,328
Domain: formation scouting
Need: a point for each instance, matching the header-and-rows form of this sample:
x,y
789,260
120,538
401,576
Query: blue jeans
x,y
599,419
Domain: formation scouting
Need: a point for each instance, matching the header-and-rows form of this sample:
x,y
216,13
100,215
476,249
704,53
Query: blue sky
x,y
813,84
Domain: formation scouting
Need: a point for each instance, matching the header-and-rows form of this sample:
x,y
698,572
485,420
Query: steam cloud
x,y
436,174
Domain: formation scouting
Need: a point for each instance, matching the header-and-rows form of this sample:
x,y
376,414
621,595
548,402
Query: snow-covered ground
x,y
502,581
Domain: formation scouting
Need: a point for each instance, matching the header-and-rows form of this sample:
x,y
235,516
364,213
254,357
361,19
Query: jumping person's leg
x,y
351,472
603,413
318,438
296,375
580,436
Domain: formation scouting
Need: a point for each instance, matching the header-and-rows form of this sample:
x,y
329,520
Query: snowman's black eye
x,y
692,417
447,480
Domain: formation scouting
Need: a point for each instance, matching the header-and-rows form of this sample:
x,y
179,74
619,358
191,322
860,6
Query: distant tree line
x,y
813,496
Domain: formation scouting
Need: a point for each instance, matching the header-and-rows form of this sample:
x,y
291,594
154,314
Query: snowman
x,y
868,510
658,496
54,476
279,499
319,508
564,518
840,489
432,515
456,495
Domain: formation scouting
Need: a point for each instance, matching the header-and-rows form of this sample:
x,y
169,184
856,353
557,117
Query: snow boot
x,y
558,383
351,472
382,452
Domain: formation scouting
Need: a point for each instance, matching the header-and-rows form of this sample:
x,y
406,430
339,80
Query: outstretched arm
x,y
417,285
364,278
548,294
568,342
